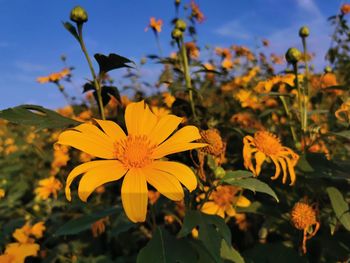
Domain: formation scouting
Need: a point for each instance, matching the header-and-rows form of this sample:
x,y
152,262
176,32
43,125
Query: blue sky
x,y
32,37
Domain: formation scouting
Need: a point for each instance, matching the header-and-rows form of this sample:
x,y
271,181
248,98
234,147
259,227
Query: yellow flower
x,y
47,187
223,201
303,217
60,158
247,99
265,145
17,253
266,86
168,99
156,25
54,77
343,113
134,156
2,193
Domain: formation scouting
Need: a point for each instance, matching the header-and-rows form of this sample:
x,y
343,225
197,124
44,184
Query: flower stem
x,y
306,87
94,76
289,114
187,75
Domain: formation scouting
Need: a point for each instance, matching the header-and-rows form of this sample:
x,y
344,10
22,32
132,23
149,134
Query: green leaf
x,y
342,134
71,29
229,253
164,248
84,222
252,184
113,61
37,116
232,176
340,206
211,230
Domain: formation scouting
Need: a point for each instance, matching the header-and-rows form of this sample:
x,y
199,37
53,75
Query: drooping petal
x,y
113,130
284,169
165,149
165,126
80,169
95,177
166,184
85,142
278,168
182,172
291,171
260,158
210,208
134,195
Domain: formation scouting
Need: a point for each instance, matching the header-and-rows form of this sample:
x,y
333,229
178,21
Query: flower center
x,y
134,151
224,196
303,216
267,142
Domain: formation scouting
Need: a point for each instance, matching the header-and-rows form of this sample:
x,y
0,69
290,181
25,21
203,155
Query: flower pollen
x,y
267,143
135,151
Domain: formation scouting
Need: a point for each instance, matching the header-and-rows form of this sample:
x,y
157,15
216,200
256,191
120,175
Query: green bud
x,y
78,15
293,55
181,25
176,34
328,69
304,31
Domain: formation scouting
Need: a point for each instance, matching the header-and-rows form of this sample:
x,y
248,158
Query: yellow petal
x,y
278,168
165,126
134,195
166,149
95,133
284,169
243,202
139,119
112,129
87,143
210,208
291,171
221,212
80,169
182,172
166,184
260,158
21,251
97,176
231,211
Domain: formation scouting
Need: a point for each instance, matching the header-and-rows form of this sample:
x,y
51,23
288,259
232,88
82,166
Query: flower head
x,y
134,156
265,145
155,25
345,9
215,146
47,187
54,77
343,113
196,12
223,200
303,217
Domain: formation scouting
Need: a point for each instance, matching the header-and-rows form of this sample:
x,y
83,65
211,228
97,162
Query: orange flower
x,y
47,187
196,13
345,9
303,217
192,49
156,25
265,145
99,227
343,113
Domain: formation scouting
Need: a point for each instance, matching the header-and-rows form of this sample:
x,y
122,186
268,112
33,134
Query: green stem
x,y
297,86
187,75
96,82
306,87
158,43
290,116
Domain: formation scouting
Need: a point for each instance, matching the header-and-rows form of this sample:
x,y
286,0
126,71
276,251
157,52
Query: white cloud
x,y
29,67
234,29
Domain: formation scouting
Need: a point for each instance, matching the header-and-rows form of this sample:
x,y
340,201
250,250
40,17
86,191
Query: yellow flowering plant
x,y
233,154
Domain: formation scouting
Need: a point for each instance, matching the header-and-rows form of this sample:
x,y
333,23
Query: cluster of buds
x,y
180,27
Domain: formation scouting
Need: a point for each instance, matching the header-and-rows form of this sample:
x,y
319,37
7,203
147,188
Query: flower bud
x,y
304,31
78,15
293,55
327,69
181,25
176,34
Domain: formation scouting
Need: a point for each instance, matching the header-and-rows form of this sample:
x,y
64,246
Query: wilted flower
x,y
343,113
265,145
134,156
196,12
303,217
